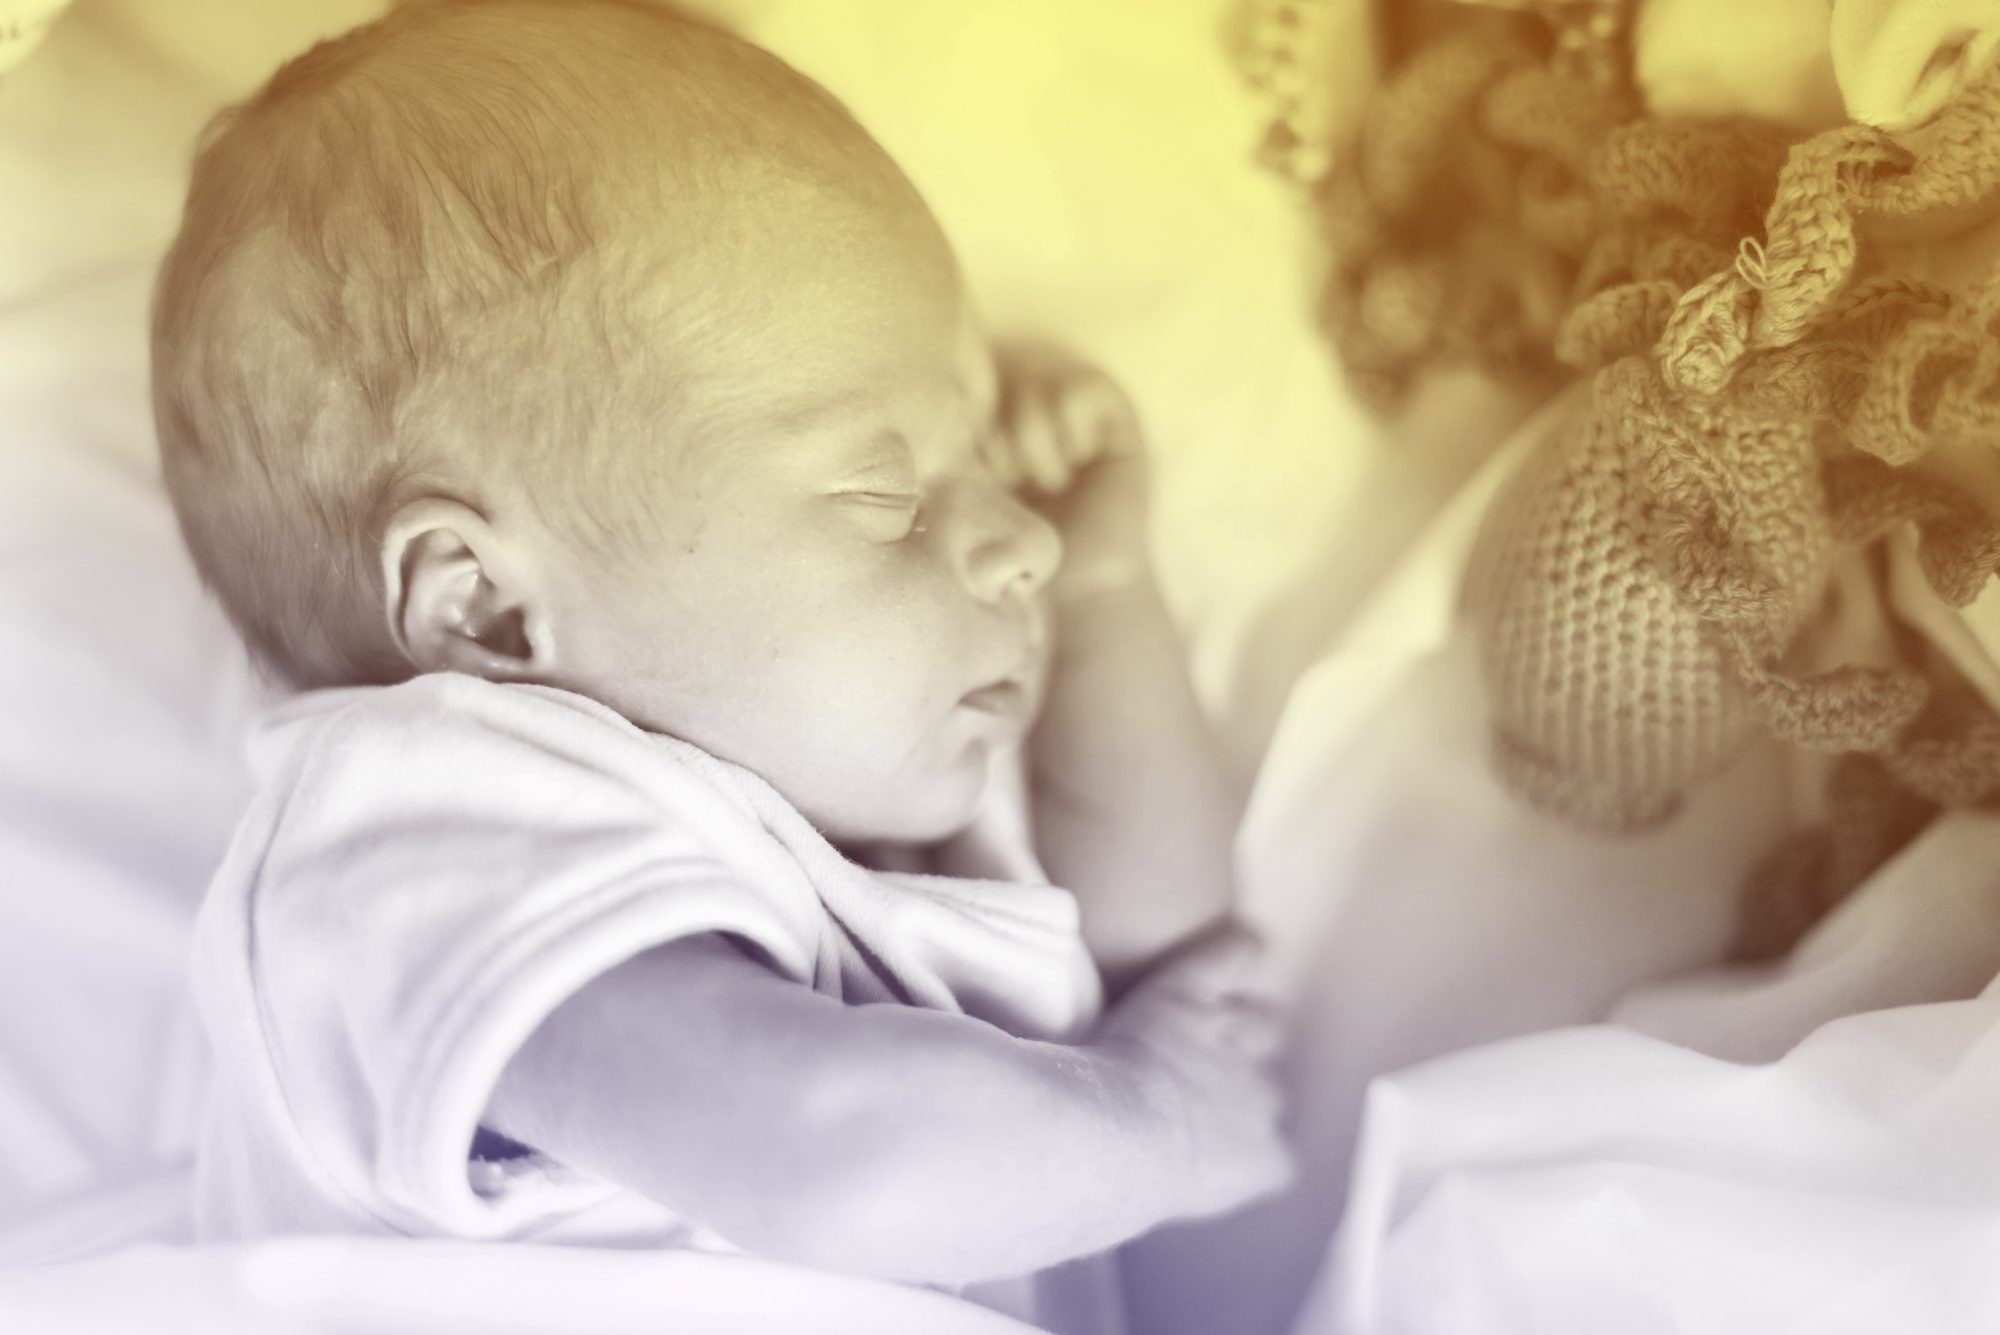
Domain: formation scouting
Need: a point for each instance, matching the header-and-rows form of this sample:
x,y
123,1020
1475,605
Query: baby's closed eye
x,y
886,515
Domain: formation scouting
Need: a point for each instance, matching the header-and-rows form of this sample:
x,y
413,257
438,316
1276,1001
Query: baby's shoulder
x,y
456,799
451,752
442,708
456,722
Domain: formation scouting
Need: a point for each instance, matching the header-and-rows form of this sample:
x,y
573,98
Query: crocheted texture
x,y
1284,49
1716,472
1459,220
1629,572
1760,393
1645,581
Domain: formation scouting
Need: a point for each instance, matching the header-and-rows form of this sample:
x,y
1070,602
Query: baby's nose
x,y
1009,546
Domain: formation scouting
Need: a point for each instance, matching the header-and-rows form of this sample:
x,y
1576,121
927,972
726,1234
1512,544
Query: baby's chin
x,y
915,810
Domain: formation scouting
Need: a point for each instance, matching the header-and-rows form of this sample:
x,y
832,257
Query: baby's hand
x,y
1067,438
1198,1036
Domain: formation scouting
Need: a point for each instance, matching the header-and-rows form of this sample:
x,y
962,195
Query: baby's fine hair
x,y
429,251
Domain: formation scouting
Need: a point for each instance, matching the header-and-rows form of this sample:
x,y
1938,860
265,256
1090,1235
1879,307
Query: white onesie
x,y
429,869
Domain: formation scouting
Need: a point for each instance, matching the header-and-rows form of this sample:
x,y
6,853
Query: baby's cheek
x,y
900,635
873,661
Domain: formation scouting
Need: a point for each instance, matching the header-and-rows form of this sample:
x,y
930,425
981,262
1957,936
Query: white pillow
x,y
122,691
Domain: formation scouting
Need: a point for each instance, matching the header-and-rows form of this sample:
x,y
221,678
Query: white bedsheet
x,y
122,692
1416,908
354,1286
1803,1147
1608,1179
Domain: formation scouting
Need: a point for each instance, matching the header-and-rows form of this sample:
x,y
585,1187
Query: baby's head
x,y
584,344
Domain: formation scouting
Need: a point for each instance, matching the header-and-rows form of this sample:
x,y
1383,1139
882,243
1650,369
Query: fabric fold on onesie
x,y
430,869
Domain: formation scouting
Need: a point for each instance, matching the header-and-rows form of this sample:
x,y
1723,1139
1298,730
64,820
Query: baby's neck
x,y
888,855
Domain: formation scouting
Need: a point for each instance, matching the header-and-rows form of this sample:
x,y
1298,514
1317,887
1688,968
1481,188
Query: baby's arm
x,y
892,1141
1131,810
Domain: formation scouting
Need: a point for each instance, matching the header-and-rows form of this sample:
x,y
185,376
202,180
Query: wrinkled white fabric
x,y
1899,61
1810,63
427,870
1415,907
1802,1147
1770,60
1601,1179
389,1286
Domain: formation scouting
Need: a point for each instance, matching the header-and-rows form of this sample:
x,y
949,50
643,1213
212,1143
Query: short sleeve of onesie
x,y
428,871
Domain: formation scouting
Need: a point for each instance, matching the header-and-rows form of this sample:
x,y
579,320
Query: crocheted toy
x,y
1761,390
1454,222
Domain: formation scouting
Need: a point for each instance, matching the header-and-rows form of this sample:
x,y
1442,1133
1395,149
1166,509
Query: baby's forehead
x,y
857,404
799,293
761,424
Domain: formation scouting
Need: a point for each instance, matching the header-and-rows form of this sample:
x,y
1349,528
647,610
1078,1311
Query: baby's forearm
x,y
1131,809
881,1140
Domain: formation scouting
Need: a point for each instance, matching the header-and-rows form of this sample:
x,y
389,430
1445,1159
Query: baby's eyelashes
x,y
887,516
889,500
892,503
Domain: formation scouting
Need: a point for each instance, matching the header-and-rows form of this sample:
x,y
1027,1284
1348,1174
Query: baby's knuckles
x,y
1234,1152
1214,1107
1103,522
1103,514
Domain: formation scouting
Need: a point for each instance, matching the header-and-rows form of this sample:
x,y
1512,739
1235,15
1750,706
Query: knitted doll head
x,y
1762,391
1646,577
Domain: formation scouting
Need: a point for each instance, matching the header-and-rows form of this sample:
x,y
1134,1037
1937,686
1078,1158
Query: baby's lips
x,y
1009,698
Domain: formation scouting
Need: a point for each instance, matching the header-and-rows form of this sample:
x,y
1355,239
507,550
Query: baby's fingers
x,y
1256,1030
1237,1030
1097,422
1201,989
997,452
1039,447
1217,962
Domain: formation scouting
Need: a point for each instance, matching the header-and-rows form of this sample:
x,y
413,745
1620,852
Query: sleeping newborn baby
x,y
589,420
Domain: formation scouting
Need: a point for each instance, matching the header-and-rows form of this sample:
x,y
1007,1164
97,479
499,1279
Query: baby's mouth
x,y
1015,695
1008,698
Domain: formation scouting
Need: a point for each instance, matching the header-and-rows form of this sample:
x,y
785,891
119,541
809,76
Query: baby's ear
x,y
458,595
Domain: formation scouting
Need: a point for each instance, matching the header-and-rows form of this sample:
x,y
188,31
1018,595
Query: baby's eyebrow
x,y
882,451
833,435
812,414
814,423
